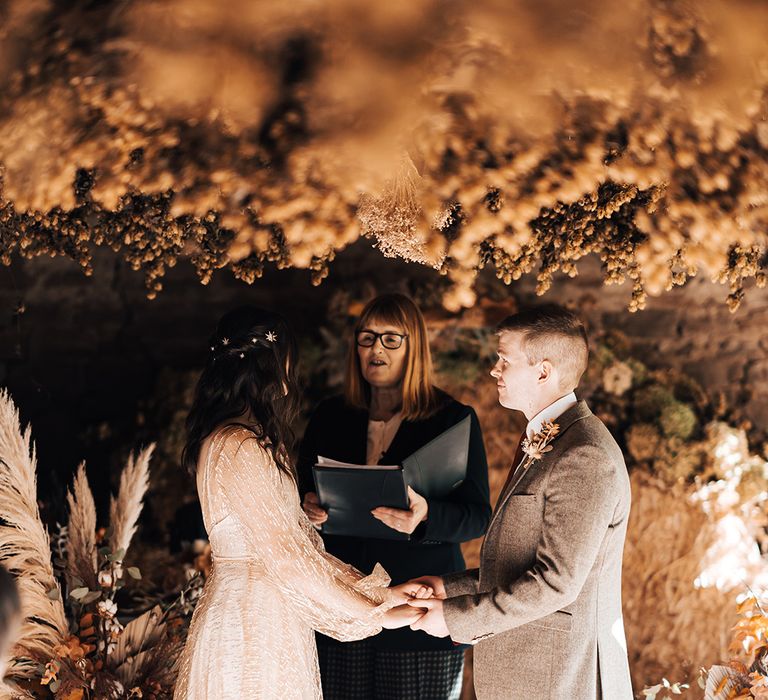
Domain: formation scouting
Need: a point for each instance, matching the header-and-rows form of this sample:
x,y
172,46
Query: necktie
x,y
515,463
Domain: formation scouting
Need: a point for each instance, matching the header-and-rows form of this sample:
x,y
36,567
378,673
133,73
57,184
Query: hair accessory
x,y
225,341
242,355
254,340
271,336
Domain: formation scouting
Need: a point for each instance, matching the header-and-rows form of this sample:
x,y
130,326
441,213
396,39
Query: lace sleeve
x,y
332,597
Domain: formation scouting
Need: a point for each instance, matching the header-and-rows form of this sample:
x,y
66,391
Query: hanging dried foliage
x,y
242,135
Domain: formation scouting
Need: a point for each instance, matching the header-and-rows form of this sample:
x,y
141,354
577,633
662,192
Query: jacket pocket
x,y
559,620
523,499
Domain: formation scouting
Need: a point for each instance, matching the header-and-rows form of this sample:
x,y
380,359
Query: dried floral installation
x,y
746,674
73,644
236,137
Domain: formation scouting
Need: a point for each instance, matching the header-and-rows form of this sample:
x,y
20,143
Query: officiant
x,y
389,409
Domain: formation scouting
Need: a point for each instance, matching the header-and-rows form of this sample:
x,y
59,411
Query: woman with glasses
x,y
390,408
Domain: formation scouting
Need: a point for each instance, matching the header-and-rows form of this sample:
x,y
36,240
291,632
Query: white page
x,y
328,462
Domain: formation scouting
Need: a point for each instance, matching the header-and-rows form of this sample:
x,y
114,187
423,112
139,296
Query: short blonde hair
x,y
552,332
419,399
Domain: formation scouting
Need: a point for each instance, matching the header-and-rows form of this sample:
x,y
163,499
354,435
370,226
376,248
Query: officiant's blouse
x,y
340,429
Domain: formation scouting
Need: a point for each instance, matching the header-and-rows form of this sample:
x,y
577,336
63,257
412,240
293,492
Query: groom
x,y
544,608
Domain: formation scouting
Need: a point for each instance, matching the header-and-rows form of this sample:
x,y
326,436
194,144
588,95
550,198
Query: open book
x,y
349,492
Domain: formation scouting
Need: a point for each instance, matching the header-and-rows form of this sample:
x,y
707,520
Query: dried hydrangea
x,y
678,420
649,401
643,441
678,461
617,379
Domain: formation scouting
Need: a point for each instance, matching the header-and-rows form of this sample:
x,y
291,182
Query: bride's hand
x,y
401,616
410,590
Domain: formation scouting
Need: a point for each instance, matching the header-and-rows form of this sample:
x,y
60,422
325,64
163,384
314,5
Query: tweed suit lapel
x,y
565,421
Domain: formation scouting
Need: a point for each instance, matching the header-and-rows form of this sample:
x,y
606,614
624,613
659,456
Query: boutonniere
x,y
539,444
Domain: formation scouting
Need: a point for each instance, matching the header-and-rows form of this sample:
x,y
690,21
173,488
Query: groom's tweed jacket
x,y
545,606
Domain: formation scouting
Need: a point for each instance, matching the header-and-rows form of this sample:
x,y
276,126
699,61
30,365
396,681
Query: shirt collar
x,y
555,409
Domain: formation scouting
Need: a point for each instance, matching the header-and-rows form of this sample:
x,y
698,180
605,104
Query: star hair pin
x,y
539,444
271,336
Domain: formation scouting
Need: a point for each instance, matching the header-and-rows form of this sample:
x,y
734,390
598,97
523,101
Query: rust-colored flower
x,y
51,672
72,648
74,694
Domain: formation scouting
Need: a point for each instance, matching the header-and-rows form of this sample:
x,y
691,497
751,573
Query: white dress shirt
x,y
550,413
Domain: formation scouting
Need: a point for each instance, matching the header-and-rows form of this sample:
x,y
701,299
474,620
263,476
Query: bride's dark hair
x,y
250,377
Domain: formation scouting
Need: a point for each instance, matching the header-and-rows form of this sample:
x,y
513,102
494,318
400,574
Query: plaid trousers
x,y
358,671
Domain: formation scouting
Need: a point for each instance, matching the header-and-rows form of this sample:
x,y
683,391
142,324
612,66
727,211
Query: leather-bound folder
x,y
438,467
349,492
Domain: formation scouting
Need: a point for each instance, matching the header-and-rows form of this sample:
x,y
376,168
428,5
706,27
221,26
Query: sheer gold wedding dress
x,y
272,584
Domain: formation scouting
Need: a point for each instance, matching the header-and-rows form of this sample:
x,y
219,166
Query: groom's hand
x,y
433,621
433,582
404,520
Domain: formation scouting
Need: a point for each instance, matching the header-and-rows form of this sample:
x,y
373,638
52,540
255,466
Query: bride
x,y
272,583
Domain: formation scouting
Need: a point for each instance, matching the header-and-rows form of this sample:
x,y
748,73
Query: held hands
x,y
435,583
311,505
424,597
409,591
402,614
432,620
401,520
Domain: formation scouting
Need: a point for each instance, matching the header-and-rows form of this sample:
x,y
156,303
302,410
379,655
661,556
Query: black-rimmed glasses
x,y
391,341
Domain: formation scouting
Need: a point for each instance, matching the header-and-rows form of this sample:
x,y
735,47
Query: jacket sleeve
x,y
461,583
465,513
580,499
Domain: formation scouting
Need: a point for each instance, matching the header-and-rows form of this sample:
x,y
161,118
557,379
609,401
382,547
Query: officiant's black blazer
x,y
339,431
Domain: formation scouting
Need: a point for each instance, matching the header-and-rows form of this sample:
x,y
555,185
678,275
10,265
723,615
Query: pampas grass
x,y
81,552
93,655
676,619
124,510
25,546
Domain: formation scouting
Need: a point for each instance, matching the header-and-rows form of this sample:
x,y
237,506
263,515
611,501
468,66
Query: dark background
x,y
99,370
